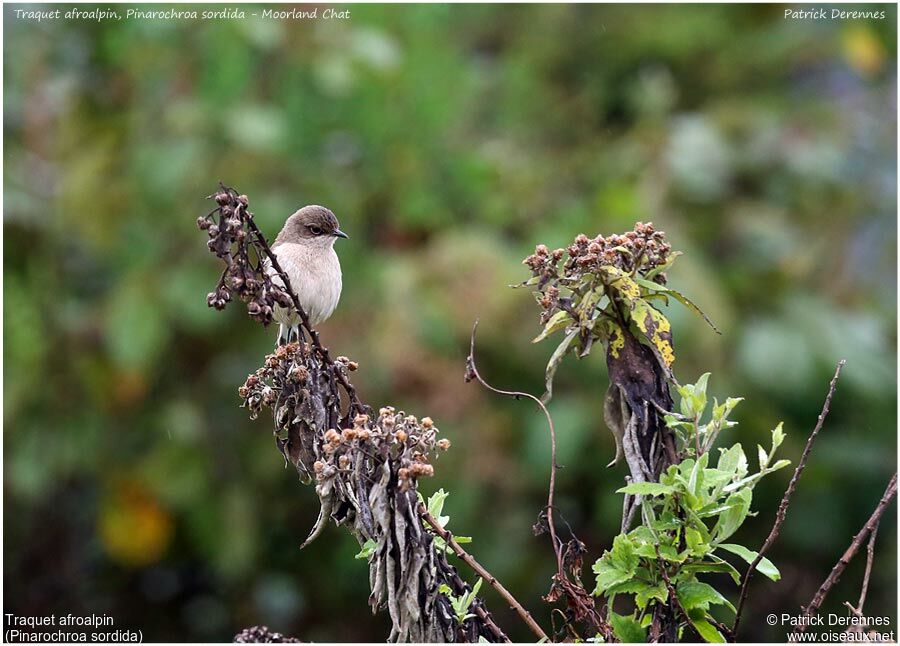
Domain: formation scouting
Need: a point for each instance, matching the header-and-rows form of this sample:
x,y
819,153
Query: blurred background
x,y
449,140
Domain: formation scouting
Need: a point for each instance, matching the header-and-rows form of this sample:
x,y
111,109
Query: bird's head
x,y
312,225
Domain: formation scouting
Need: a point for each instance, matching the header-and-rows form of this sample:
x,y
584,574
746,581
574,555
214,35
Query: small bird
x,y
305,251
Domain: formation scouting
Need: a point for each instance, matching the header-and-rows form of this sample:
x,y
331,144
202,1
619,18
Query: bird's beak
x,y
341,234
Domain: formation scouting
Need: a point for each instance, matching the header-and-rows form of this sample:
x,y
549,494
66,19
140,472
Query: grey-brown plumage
x,y
305,250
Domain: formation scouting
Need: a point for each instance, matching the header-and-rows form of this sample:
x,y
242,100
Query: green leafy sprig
x,y
688,518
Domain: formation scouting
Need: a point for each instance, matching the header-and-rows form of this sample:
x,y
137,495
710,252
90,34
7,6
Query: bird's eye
x,y
316,231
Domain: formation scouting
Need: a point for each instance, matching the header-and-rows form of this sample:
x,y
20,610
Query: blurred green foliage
x,y
449,140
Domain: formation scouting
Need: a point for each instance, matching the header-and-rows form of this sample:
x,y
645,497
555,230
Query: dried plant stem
x,y
781,514
580,602
867,530
472,373
483,573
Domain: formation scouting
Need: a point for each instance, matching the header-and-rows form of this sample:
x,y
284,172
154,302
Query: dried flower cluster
x,y
283,384
233,238
644,251
396,436
365,466
262,635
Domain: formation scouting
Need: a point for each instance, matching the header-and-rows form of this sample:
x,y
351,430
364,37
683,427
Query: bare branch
x,y
870,557
483,573
866,531
781,514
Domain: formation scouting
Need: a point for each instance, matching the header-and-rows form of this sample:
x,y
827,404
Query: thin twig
x,y
672,594
482,572
472,372
851,551
488,621
870,557
781,514
579,599
857,611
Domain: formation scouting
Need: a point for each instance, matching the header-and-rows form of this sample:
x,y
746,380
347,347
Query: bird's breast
x,y
315,276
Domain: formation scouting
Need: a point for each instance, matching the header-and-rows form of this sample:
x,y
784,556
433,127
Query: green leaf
x,y
715,477
616,566
694,541
731,519
627,629
436,505
681,298
777,436
694,594
700,393
646,489
608,575
368,548
707,631
534,280
722,411
669,553
648,592
733,461
763,457
780,464
555,359
474,592
695,480
557,322
765,566
622,554
632,586
717,566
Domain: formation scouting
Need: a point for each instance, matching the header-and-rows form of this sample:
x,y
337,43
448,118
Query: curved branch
x,y
472,373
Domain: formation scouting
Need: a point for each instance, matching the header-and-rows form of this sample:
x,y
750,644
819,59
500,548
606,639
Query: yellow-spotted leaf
x,y
656,329
615,338
589,303
621,282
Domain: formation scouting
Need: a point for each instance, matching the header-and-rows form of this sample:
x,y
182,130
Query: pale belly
x,y
315,278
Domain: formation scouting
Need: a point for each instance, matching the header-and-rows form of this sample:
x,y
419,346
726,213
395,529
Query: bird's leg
x,y
282,337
